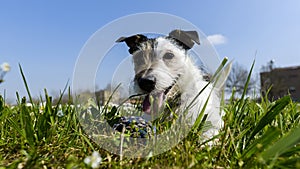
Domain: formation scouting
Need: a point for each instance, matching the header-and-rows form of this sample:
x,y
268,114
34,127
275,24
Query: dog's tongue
x,y
158,100
147,105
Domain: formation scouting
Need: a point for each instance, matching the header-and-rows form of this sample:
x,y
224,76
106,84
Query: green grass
x,y
263,134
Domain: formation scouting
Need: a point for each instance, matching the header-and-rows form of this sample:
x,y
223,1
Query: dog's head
x,y
158,63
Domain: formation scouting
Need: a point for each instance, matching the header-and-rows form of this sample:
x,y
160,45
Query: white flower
x,y
94,160
42,107
5,67
60,113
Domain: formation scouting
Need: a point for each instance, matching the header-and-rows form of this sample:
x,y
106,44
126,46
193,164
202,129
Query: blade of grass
x,y
2,104
110,97
70,112
26,124
214,78
199,118
257,146
270,116
61,96
26,85
16,127
246,87
283,145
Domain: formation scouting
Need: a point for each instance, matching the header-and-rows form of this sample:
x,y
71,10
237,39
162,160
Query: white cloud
x,y
217,39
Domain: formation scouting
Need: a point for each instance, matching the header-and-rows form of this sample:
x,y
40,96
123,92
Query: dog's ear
x,y
186,39
133,42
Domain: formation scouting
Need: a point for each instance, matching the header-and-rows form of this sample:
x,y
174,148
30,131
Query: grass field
x,y
263,134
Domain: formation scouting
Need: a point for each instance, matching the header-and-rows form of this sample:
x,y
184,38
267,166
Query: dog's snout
x,y
147,83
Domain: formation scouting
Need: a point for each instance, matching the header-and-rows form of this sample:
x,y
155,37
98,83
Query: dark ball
x,y
135,126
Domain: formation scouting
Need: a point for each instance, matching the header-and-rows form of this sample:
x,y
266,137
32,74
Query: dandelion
x,y
94,160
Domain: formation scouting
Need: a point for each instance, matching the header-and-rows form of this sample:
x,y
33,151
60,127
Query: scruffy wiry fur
x,y
166,64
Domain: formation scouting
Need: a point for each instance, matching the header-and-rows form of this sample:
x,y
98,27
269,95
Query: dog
x,y
166,74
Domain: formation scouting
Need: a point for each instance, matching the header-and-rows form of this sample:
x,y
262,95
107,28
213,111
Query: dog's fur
x,y
165,73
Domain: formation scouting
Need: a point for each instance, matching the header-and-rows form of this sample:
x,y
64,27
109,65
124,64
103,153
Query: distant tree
x,y
237,79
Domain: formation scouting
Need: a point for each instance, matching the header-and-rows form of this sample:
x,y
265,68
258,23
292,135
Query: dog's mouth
x,y
154,101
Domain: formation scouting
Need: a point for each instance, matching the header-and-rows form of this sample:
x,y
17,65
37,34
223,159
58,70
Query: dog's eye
x,y
169,56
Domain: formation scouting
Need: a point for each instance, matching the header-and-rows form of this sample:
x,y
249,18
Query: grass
x,y
263,134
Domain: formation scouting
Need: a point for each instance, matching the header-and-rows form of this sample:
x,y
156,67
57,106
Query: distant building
x,y
282,81
103,96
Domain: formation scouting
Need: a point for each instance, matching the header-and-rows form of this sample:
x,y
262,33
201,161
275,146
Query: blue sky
x,y
45,37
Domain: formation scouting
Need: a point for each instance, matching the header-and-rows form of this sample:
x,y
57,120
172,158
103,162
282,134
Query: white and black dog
x,y
165,72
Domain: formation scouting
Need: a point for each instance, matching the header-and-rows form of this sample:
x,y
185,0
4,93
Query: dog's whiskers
x,y
172,78
137,95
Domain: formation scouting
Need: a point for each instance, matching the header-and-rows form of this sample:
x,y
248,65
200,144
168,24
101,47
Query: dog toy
x,y
135,126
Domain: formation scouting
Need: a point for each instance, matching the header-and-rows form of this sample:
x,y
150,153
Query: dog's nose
x,y
147,83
